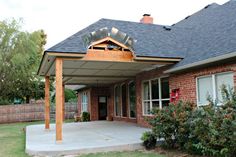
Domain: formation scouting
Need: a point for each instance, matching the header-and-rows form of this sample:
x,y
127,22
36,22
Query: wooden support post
x,y
63,102
47,103
59,100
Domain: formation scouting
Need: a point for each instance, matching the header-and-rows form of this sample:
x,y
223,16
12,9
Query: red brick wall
x,y
186,81
93,94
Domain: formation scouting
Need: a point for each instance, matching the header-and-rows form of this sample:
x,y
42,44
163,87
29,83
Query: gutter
x,y
206,61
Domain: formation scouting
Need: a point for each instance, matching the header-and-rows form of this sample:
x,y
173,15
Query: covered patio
x,y
98,58
86,137
100,65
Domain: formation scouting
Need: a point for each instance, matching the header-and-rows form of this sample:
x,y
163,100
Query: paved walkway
x,y
82,138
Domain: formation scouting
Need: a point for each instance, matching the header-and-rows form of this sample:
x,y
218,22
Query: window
x,y
84,102
117,101
205,89
156,93
210,87
132,100
124,100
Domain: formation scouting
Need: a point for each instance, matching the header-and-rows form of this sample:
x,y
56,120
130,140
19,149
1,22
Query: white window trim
x,y
150,92
129,100
213,77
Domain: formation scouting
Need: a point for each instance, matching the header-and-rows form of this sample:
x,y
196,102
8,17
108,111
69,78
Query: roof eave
x,y
199,63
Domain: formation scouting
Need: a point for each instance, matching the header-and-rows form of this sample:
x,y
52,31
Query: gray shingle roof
x,y
152,40
214,33
208,33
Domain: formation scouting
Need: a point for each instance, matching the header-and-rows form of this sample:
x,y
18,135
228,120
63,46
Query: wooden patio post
x,y
47,103
59,101
63,103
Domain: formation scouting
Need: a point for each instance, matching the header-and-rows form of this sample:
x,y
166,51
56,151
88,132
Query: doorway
x,y
102,107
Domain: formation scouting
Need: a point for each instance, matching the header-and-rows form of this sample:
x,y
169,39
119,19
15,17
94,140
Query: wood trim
x,y
66,54
47,103
108,39
59,100
50,66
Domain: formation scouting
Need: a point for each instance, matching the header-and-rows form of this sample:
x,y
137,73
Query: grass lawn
x,y
12,143
12,139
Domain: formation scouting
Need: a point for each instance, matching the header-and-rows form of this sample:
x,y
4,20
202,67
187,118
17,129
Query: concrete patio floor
x,y
85,137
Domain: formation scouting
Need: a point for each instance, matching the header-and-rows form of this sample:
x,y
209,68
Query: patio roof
x,y
101,65
77,70
106,61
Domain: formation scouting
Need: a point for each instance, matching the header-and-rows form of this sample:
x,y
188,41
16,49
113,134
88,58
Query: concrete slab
x,y
85,137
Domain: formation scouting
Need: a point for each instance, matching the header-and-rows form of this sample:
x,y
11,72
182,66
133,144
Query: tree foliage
x,y
20,54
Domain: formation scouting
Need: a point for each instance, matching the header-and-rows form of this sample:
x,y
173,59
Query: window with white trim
x,y
84,102
210,87
156,93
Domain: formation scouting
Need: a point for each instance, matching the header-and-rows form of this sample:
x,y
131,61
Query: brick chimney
x,y
147,19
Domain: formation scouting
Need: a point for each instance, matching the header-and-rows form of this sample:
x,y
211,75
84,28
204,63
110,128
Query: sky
x,y
62,18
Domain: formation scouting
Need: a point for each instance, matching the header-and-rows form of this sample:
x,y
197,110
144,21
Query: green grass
x,y
12,139
124,154
12,143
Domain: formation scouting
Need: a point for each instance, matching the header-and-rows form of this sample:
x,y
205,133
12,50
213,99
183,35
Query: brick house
x,y
131,67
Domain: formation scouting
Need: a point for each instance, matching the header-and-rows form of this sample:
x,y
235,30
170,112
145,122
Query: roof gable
x,y
151,40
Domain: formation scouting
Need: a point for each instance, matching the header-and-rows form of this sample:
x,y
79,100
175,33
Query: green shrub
x,y
171,124
209,130
214,128
149,140
85,117
70,94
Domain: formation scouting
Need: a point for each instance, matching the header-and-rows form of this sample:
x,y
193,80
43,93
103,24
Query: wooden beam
x,y
63,102
47,103
59,100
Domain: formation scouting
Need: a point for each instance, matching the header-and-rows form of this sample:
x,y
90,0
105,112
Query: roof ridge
x,y
134,22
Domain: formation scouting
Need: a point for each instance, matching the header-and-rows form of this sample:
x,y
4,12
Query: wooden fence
x,y
31,112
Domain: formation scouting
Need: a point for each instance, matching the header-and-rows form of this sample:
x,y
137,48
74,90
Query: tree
x,y
20,54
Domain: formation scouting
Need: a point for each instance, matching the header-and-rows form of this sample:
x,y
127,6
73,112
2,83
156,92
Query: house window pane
x,y
205,89
226,79
132,100
155,89
146,94
84,102
165,91
165,103
117,101
124,100
155,104
147,107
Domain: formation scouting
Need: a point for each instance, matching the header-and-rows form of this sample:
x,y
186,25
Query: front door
x,y
102,107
